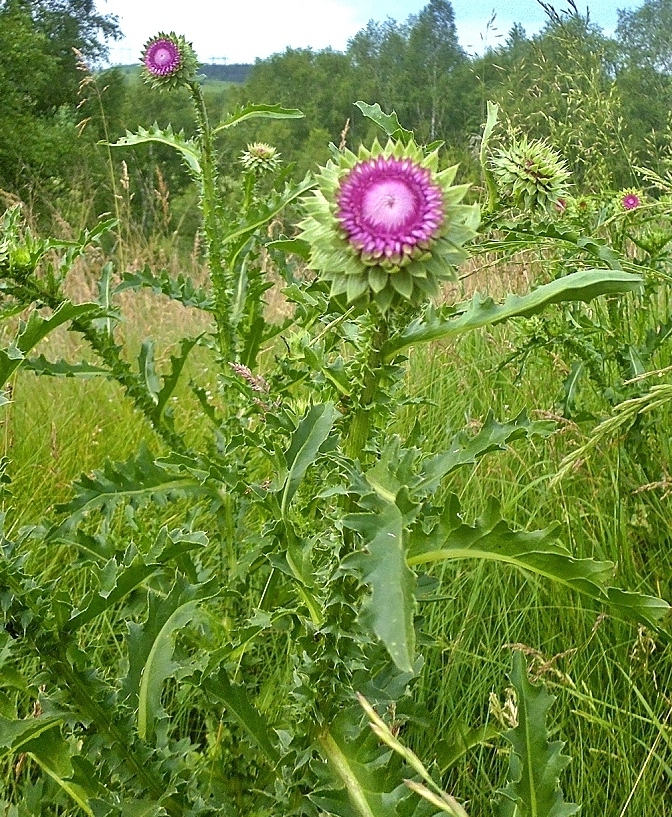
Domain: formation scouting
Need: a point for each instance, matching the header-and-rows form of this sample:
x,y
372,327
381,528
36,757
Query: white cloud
x,y
234,31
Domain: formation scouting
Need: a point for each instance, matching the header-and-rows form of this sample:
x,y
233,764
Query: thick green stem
x,y
360,426
221,286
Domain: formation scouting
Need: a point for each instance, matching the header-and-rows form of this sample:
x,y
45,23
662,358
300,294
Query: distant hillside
x,y
226,73
214,71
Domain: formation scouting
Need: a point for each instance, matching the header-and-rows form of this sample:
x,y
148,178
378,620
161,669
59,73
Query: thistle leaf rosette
x,y
531,174
385,225
168,61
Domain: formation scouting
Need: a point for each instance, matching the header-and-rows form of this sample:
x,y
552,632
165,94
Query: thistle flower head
x,y
260,158
386,225
168,60
629,199
531,174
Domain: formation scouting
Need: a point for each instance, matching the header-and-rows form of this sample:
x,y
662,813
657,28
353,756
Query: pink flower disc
x,y
630,201
163,58
389,207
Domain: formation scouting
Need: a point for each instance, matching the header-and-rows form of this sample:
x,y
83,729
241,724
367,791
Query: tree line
x,y
604,102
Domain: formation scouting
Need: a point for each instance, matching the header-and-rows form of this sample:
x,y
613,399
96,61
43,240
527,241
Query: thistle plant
x,y
302,534
168,62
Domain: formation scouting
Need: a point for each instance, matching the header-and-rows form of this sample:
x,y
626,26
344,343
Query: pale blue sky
x,y
241,30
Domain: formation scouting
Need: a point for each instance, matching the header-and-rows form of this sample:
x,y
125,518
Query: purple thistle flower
x,y
163,57
630,201
389,209
386,225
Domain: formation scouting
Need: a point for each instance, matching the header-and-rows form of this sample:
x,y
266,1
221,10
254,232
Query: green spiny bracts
x,y
260,158
168,61
386,225
531,174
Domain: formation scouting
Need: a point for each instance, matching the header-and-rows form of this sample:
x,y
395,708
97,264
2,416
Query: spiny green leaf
x,y
151,648
15,734
180,289
187,147
571,387
53,754
535,765
133,482
258,112
463,450
491,539
61,368
267,211
388,122
120,580
461,740
310,435
388,610
36,329
170,381
238,703
480,311
291,245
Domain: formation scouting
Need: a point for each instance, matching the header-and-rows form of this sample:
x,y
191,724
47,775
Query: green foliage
x,y
480,311
535,764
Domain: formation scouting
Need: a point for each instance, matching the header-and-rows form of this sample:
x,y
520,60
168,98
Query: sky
x,y
239,31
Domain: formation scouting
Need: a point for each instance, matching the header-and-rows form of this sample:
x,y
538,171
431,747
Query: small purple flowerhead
x,y
162,58
168,60
630,200
386,225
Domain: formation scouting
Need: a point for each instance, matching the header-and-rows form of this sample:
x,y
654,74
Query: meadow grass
x,y
612,678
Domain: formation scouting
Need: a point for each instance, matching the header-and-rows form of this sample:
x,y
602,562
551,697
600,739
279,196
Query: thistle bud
x,y
260,158
531,174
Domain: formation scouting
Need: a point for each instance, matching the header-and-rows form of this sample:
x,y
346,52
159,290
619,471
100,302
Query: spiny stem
x,y
360,426
211,226
104,346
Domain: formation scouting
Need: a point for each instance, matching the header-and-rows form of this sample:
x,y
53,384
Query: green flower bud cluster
x,y
531,174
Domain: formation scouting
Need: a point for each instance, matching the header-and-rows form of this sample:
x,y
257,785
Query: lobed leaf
x,y
388,609
180,289
151,648
237,701
388,122
535,765
187,147
258,112
61,368
491,539
133,482
310,435
483,311
36,328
